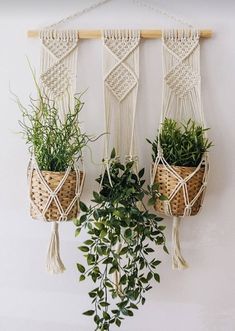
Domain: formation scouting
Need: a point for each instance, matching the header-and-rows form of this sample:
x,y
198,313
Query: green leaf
x,y
123,280
163,197
106,315
83,207
89,312
130,312
132,305
97,197
141,173
88,242
77,232
165,249
84,249
113,154
128,233
156,263
151,202
81,268
118,322
124,250
103,233
82,277
157,278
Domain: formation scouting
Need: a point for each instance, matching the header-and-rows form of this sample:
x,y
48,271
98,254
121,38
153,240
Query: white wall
x,y
198,299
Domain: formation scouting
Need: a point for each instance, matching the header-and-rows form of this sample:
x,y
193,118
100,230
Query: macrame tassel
x,y
54,263
178,262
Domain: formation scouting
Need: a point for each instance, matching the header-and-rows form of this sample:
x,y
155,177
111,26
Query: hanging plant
x,y
55,143
183,147
120,255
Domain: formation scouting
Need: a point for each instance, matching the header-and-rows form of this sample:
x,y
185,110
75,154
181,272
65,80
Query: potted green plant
x,y
55,174
180,170
55,145
119,252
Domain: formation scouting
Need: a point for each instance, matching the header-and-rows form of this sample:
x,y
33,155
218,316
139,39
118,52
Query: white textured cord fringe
x,y
178,262
54,262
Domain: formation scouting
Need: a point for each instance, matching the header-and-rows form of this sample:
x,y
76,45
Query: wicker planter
x,y
167,183
39,194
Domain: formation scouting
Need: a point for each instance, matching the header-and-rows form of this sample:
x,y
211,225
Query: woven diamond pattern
x,y
57,79
121,81
182,79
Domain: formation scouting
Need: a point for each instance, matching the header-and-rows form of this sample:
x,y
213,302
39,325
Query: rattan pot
x,y
40,195
167,183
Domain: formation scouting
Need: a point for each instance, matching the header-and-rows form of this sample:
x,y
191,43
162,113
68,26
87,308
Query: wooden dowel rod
x,y
146,34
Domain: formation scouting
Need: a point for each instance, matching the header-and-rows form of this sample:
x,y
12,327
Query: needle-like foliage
x,y
182,144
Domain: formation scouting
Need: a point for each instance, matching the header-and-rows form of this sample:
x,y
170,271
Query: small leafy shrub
x,y
55,142
122,233
182,144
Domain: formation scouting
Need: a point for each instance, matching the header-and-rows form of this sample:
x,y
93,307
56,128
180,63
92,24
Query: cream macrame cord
x,y
54,262
121,78
181,101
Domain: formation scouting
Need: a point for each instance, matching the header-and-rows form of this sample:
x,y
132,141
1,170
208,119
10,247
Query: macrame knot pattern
x,y
181,77
58,62
121,79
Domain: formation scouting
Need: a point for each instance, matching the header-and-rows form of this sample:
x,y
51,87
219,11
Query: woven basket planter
x,y
167,183
40,195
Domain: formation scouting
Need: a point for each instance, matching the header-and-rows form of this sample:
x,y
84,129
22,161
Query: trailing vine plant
x,y
120,255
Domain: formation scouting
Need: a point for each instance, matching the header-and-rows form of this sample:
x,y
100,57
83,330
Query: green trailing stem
x,y
118,216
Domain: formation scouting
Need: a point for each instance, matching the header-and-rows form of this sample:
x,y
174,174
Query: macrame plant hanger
x,y
58,81
59,53
121,78
181,101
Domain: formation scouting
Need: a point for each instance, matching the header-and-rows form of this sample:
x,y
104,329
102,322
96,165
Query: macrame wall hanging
x,y
184,186
121,74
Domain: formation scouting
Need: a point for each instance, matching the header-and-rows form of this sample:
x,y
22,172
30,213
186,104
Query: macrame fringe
x,y
54,262
178,262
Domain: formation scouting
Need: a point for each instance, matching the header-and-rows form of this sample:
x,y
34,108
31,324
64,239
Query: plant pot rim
x,y
58,172
179,167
